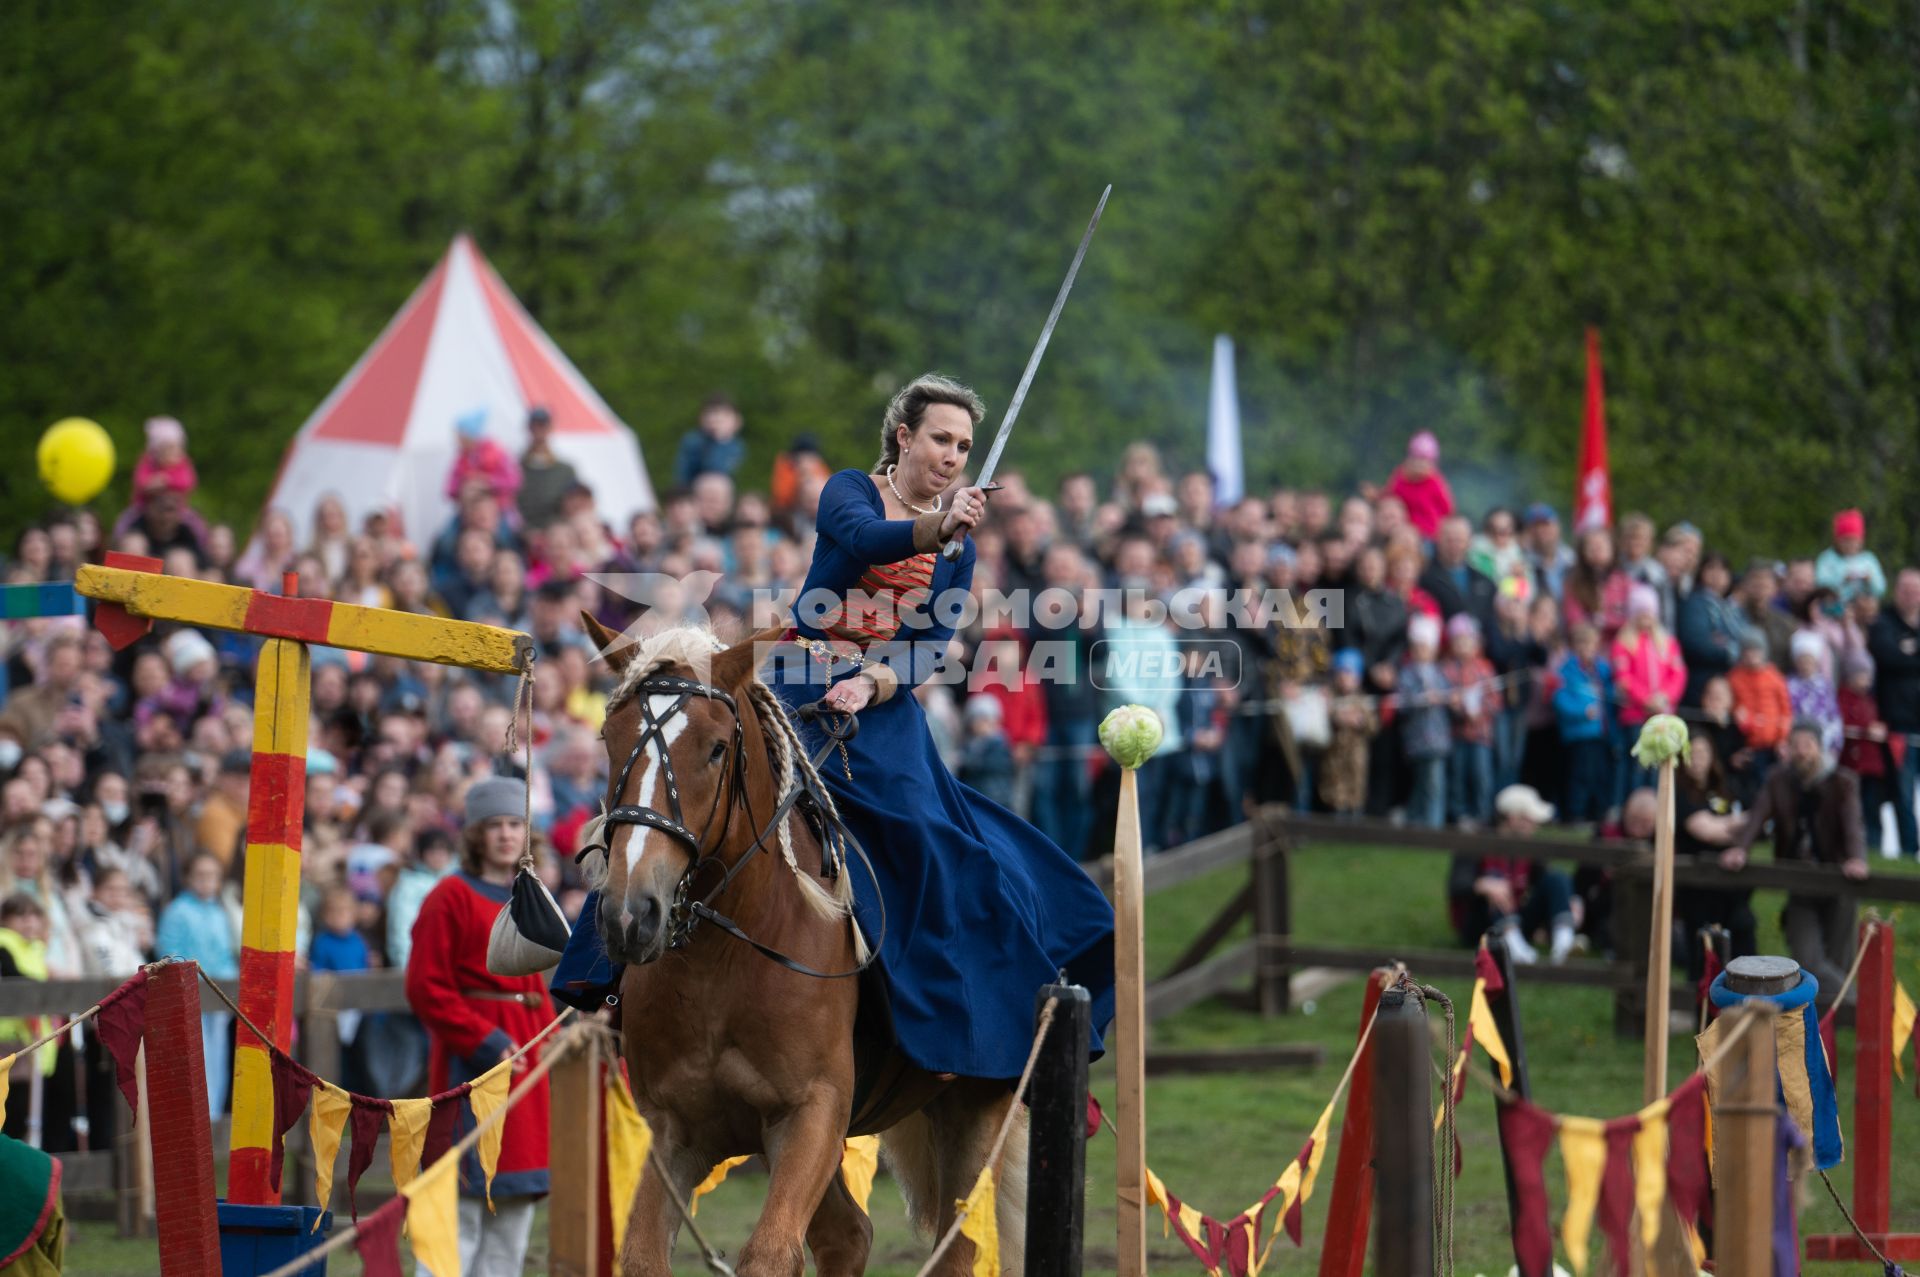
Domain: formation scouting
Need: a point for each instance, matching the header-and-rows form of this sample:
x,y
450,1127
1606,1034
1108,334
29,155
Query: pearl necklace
x,y
921,509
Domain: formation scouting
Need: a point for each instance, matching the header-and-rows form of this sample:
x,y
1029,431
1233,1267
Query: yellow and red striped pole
x,y
276,805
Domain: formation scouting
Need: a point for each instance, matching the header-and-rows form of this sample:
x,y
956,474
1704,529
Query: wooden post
x,y
1129,1033
1403,1137
1344,1253
176,1098
1660,946
1057,1137
1745,1129
1271,919
574,1223
276,807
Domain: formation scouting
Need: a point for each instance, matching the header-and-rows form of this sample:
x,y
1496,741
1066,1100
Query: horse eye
x,y
719,751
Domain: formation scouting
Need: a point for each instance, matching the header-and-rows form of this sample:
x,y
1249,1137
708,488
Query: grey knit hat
x,y
496,796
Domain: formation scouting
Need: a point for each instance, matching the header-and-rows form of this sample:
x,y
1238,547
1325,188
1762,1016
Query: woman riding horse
x,y
970,908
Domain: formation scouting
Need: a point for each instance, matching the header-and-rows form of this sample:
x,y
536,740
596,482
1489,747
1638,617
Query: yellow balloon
x,y
76,459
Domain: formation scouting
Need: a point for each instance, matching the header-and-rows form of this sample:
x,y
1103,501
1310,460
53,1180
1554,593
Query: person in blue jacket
x,y
1582,706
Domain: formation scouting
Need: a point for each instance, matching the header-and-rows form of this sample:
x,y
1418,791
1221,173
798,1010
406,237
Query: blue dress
x,y
982,909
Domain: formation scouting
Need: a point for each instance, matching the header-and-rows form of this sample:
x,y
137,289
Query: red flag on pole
x,y
1593,489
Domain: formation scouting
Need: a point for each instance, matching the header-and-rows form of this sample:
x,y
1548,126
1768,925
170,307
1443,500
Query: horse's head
x,y
674,731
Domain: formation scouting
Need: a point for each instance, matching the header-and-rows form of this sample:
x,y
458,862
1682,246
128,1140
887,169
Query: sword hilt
x,y
951,550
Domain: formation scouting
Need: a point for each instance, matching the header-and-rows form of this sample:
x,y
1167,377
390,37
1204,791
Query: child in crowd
x,y
337,945
1868,750
23,956
484,463
196,925
1343,771
1761,704
1847,567
1583,708
1652,678
165,464
1810,692
1418,484
986,765
1476,703
1426,727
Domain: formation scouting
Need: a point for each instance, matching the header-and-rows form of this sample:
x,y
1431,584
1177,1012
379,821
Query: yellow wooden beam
x,y
362,629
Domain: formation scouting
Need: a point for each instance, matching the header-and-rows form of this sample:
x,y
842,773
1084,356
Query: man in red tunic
x,y
475,1019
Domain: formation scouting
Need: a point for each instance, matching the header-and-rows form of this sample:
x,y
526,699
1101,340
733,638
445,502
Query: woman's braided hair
x,y
909,407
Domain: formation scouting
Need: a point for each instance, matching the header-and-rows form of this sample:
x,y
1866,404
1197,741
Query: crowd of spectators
x,y
1471,656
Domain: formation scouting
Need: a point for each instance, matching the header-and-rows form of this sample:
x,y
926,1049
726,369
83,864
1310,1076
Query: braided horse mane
x,y
696,648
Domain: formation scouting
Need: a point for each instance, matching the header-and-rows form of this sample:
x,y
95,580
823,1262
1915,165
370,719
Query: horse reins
x,y
687,912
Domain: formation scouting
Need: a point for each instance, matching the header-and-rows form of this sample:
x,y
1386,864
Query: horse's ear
x,y
612,646
736,664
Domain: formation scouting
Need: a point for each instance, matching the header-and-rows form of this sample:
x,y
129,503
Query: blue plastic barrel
x,y
259,1239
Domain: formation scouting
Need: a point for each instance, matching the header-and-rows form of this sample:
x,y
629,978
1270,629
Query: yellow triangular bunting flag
x,y
1583,1147
1487,1033
858,1162
1650,1170
488,1093
433,1216
1903,1017
716,1177
980,1227
1157,1196
628,1139
6,1067
325,1120
406,1134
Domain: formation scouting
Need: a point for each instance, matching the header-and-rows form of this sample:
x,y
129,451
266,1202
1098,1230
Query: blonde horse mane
x,y
696,647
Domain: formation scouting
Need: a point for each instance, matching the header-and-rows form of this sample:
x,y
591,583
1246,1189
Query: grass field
x,y
1220,1141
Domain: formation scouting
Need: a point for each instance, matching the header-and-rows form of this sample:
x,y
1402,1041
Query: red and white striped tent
x,y
384,438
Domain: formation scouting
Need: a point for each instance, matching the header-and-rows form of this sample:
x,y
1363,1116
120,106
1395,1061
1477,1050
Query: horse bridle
x,y
686,911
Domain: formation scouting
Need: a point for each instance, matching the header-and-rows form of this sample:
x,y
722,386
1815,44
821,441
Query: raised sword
x,y
951,550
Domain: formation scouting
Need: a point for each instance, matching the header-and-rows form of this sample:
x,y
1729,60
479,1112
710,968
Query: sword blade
x,y
1040,347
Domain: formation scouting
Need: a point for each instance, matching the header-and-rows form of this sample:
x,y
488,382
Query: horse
x,y
752,1034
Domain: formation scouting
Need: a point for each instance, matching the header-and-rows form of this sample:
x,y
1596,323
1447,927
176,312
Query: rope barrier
x,y
566,1016
569,1042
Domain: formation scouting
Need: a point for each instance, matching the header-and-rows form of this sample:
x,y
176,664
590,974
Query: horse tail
x,y
1010,1198
911,1153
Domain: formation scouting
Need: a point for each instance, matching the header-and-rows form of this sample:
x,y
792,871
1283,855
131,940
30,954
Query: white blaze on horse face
x,y
652,780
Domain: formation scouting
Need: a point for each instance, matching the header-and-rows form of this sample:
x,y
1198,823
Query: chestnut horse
x,y
741,997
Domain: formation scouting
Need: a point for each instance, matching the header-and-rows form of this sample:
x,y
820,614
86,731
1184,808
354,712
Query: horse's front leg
x,y
803,1156
655,1221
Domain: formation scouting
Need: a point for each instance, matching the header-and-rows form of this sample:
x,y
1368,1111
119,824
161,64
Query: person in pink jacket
x,y
1420,486
480,458
1650,676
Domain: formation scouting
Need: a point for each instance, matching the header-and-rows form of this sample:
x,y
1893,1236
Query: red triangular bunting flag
x,y
1094,1116
1239,1247
292,1088
1687,1182
1485,968
120,1024
440,1127
378,1241
1527,1133
1292,1220
365,1121
1616,1190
